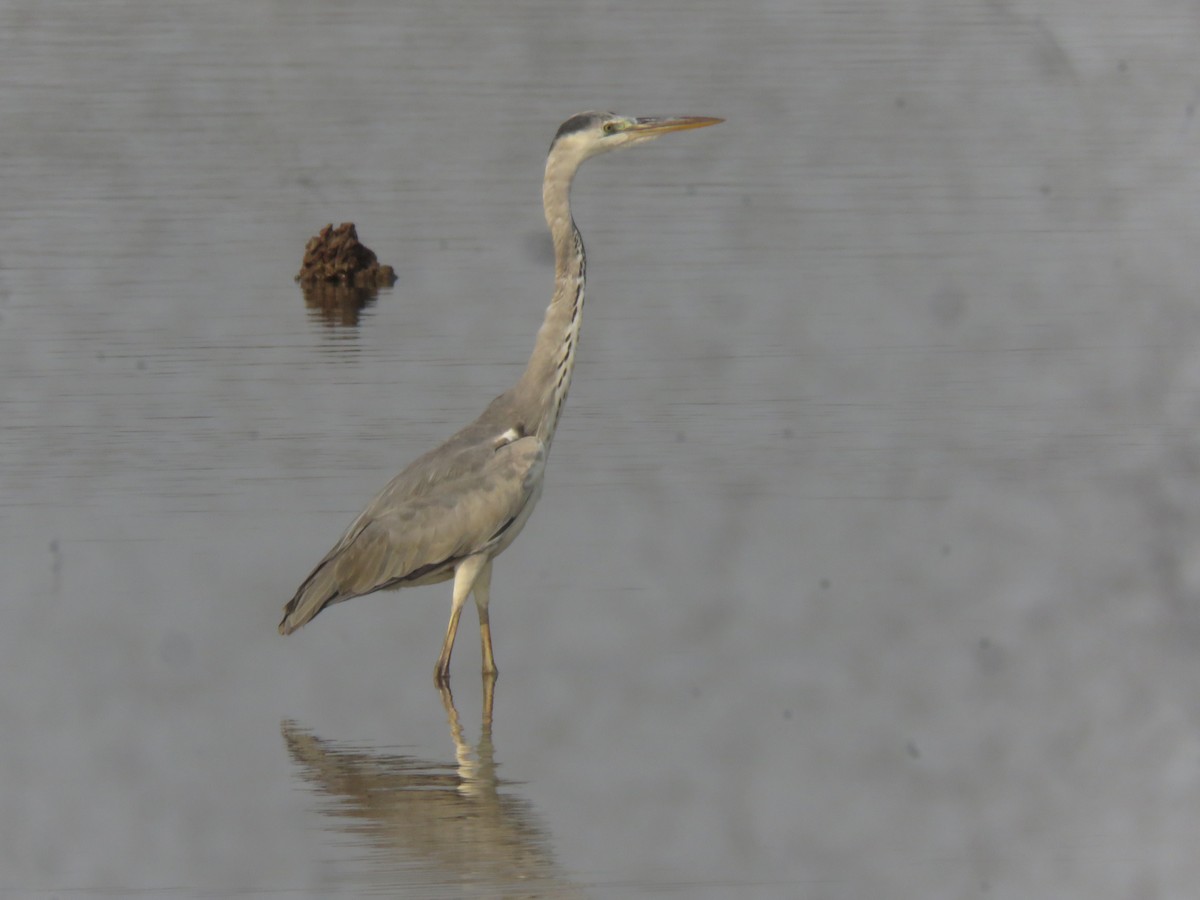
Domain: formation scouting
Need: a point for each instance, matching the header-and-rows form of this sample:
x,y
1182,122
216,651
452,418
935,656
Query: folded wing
x,y
440,510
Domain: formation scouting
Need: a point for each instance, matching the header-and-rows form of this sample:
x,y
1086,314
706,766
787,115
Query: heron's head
x,y
585,135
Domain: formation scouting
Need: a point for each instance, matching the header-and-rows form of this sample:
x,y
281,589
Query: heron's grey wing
x,y
405,539
458,517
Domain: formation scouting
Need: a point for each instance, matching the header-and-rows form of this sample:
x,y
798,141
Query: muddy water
x,y
865,563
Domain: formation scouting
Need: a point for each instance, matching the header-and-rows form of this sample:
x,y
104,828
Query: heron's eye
x,y
610,127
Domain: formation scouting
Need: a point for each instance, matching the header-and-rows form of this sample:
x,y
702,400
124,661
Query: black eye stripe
x,y
575,123
587,120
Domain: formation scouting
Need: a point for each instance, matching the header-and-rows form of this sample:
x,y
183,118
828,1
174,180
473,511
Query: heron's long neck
x,y
543,387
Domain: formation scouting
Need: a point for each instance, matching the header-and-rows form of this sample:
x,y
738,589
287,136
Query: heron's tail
x,y
318,591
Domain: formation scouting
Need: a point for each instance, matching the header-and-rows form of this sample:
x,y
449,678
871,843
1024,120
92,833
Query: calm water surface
x,y
867,564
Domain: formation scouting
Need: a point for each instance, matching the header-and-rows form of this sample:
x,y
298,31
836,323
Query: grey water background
x,y
868,560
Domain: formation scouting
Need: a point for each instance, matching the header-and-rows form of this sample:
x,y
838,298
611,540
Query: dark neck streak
x,y
543,388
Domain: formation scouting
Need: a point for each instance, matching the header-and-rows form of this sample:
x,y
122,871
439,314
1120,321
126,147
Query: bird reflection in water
x,y
449,825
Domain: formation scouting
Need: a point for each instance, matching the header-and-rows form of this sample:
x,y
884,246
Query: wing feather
x,y
443,508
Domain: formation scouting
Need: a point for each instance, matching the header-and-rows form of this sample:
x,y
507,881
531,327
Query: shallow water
x,y
866,564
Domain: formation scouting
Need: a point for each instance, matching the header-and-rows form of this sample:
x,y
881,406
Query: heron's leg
x,y
489,697
483,595
464,579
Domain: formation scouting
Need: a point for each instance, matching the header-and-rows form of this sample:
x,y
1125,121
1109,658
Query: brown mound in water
x,y
339,276
336,257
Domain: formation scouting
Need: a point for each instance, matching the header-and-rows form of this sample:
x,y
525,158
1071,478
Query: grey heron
x,y
453,510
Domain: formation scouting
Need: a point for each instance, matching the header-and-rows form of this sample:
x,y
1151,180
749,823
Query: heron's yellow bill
x,y
662,124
